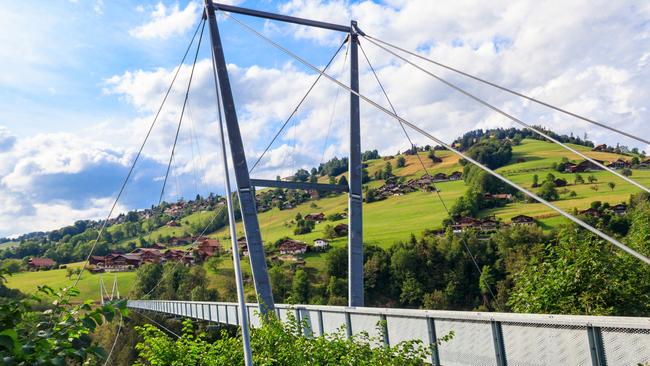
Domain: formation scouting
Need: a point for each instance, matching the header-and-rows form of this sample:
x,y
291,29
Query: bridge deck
x,y
479,338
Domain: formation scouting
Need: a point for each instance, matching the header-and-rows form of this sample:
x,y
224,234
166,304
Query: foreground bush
x,y
60,335
276,343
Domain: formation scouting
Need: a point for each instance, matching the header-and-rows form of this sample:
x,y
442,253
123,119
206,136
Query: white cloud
x,y
167,22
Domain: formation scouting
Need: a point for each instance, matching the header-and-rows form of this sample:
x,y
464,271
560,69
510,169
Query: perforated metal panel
x,y
527,339
535,344
403,329
366,323
332,322
254,316
232,315
626,346
283,314
472,343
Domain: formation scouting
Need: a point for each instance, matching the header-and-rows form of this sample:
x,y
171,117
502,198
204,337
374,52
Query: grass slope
x,y
393,219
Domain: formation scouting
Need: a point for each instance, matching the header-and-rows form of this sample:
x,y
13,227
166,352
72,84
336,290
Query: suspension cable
x,y
336,99
511,117
180,119
392,107
117,335
449,147
532,99
158,324
295,110
135,161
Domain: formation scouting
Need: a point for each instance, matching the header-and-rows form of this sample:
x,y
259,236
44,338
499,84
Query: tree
x,y
343,181
611,185
548,191
581,274
329,232
535,181
579,179
336,262
486,281
388,170
213,263
371,195
401,161
627,172
300,287
301,175
635,160
58,336
412,291
592,178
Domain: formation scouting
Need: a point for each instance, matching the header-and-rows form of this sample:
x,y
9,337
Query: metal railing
x,y
479,338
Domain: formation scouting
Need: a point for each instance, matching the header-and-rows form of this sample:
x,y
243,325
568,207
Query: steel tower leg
x,y
244,188
355,229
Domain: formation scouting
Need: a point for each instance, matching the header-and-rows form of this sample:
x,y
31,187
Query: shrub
x,y
277,343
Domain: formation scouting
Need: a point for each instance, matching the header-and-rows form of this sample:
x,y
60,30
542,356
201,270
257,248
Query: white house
x,y
321,244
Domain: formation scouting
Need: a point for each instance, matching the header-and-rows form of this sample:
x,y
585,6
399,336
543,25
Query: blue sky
x,y
82,79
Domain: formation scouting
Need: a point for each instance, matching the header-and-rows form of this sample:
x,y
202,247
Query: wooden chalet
x,y
209,247
523,220
243,246
318,217
36,263
620,209
619,164
601,147
587,166
341,229
149,255
590,212
455,176
292,247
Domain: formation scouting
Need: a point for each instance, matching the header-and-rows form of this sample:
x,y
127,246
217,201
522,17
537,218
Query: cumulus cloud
x,y
49,179
570,54
166,22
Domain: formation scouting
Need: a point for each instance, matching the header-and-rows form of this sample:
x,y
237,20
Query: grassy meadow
x,y
391,220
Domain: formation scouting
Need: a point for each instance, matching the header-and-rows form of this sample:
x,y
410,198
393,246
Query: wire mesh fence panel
x,y
523,339
626,346
309,320
232,315
214,312
539,344
366,323
472,343
402,329
333,321
283,313
254,316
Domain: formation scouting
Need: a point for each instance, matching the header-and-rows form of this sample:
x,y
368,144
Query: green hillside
x,y
392,219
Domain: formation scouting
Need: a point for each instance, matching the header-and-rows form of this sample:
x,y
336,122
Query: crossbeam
x,y
282,18
299,185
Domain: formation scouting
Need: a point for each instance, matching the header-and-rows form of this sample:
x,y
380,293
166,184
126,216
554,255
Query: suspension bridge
x,y
480,338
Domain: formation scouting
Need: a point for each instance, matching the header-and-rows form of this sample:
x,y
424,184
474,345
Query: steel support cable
x,y
158,324
336,100
295,110
180,119
449,147
117,335
508,90
511,117
392,107
137,157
